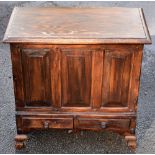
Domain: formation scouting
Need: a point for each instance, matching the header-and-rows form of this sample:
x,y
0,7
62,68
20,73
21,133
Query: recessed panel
x,y
116,78
76,78
36,71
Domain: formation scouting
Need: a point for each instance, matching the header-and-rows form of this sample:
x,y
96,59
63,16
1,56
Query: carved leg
x,y
131,141
20,141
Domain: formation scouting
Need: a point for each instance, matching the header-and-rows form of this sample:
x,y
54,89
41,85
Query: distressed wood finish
x,y
70,25
100,124
116,77
76,77
36,70
47,123
72,73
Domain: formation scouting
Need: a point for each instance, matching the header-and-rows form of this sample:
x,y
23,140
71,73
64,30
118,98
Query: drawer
x,y
84,123
45,123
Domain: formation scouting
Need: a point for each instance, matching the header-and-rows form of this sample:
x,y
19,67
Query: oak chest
x,y
76,68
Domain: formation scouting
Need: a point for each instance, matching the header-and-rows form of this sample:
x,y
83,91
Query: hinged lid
x,y
77,26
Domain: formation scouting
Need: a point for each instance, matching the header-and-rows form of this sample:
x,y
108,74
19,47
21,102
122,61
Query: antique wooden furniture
x,y
76,68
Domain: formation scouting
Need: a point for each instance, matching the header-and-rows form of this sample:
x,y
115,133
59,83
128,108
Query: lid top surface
x,y
82,24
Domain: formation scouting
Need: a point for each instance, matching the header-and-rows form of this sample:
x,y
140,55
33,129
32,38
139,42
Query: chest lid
x,y
77,26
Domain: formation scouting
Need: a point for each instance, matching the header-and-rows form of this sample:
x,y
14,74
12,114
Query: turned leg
x,y
131,141
20,141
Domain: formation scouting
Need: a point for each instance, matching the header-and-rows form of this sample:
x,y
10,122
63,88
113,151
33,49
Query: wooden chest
x,y
76,68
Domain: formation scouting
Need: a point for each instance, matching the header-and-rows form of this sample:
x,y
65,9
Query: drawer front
x,y
84,123
45,123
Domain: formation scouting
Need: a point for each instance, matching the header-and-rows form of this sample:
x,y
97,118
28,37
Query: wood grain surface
x,y
77,25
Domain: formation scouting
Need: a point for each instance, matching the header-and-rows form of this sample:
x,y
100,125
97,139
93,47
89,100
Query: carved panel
x,y
76,77
36,70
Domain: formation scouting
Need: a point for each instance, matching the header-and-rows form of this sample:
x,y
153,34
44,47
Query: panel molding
x,y
116,78
36,70
76,77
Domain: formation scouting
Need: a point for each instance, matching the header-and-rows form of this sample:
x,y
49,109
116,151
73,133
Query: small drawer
x,y
45,123
84,123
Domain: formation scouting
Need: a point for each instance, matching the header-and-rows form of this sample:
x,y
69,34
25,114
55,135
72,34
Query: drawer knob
x,y
46,125
103,125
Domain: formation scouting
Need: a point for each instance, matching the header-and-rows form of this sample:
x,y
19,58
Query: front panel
x,y
104,78
36,71
116,77
76,77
